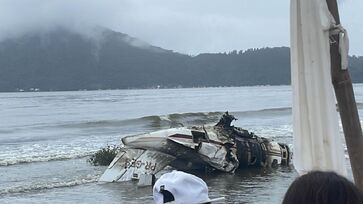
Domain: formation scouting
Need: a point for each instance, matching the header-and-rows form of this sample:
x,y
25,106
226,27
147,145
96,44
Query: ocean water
x,y
47,137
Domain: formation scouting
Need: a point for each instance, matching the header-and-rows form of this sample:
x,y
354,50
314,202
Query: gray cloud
x,y
188,26
18,17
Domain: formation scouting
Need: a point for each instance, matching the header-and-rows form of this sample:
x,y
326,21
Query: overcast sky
x,y
187,26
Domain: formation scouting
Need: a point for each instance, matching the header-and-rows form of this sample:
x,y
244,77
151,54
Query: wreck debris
x,y
222,147
226,120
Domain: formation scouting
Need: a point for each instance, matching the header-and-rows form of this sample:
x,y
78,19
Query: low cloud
x,y
18,17
188,26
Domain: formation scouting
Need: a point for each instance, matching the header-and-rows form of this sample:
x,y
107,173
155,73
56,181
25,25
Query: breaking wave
x,y
42,158
270,111
86,146
197,118
189,118
43,152
46,186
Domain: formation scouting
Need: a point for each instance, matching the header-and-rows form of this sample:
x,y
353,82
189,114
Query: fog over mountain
x,y
61,59
185,26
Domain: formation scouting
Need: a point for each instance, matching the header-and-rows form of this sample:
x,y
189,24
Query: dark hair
x,y
319,187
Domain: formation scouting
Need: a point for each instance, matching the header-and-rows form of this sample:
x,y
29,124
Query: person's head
x,y
182,188
319,187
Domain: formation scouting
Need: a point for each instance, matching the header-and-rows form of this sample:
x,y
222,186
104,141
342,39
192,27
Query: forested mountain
x,y
64,60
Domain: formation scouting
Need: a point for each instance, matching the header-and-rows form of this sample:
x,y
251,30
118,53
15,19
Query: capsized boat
x,y
221,147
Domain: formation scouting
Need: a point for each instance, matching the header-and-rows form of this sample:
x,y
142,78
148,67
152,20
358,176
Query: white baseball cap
x,y
185,188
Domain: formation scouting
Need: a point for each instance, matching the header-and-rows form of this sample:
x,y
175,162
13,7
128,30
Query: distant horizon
x,y
164,88
62,60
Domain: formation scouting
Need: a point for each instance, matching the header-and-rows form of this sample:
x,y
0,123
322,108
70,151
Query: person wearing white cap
x,y
181,188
